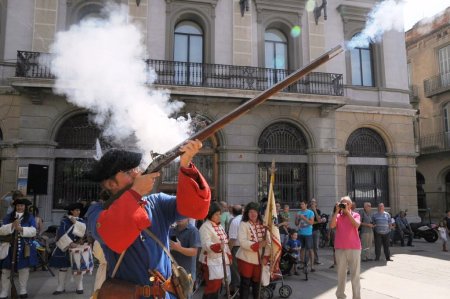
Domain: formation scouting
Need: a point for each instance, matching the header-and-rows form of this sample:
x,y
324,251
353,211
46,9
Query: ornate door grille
x,y
290,182
367,182
71,184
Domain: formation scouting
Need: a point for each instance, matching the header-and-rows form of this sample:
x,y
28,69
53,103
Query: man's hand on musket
x,y
143,184
190,149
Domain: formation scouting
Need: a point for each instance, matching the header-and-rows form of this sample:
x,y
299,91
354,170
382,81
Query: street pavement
x,y
422,271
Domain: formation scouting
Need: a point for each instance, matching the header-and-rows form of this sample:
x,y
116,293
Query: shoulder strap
x,y
158,241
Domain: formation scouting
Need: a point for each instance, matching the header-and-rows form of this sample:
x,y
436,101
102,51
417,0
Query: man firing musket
x,y
120,224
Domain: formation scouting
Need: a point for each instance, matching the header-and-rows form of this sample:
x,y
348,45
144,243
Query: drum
x,y
81,259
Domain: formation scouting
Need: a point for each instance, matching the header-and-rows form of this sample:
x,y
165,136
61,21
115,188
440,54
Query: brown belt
x,y
147,291
157,290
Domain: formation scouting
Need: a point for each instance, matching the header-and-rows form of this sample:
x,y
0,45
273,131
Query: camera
x,y
173,238
342,206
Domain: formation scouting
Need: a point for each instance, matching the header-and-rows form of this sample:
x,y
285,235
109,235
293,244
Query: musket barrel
x,y
206,132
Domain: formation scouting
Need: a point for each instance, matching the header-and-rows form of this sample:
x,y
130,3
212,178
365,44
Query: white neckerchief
x,y
19,215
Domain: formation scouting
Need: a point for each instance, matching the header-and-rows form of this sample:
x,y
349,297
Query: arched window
x,y
276,55
76,135
362,66
282,138
82,10
291,178
367,171
206,161
365,142
188,53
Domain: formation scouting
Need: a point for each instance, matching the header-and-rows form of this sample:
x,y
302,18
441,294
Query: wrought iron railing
x,y
435,143
437,84
36,65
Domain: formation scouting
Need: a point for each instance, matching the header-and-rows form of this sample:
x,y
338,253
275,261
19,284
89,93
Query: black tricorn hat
x,y
112,162
22,201
74,206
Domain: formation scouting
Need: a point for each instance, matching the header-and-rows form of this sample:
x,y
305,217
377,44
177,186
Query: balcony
x,y
436,143
36,65
437,85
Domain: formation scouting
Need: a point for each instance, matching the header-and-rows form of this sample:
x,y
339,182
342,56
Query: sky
x,y
415,10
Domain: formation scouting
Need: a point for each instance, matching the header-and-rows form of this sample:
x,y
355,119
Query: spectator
x,y
366,232
348,247
225,215
304,221
283,224
184,244
443,235
214,241
447,219
234,245
22,222
317,226
293,245
39,222
252,238
382,229
403,228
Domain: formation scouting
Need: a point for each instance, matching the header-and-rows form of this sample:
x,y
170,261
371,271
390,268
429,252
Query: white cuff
x,y
28,232
6,229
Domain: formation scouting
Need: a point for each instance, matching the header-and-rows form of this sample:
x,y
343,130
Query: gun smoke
x,y
99,65
386,15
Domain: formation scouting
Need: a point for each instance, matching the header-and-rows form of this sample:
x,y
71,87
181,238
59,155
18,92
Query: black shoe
x,y
79,292
23,296
410,245
331,267
389,260
313,270
58,292
377,259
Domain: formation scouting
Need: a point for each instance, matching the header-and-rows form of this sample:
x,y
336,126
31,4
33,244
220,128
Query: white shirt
x,y
234,229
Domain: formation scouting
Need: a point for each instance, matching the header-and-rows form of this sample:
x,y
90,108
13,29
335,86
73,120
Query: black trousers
x,y
382,239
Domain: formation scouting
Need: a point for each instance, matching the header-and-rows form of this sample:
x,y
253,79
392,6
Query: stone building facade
x,y
428,53
345,129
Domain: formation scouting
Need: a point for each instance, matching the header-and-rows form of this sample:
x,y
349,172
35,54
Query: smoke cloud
x,y
99,65
387,15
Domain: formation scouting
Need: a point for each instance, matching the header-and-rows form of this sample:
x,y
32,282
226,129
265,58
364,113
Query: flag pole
x,y
268,218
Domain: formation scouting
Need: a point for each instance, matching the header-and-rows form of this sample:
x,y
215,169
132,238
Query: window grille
x,y
365,142
78,133
282,138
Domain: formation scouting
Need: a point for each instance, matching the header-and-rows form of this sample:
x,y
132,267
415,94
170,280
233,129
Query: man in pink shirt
x,y
348,246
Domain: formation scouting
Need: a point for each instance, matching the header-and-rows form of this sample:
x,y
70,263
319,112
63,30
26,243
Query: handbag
x,y
64,241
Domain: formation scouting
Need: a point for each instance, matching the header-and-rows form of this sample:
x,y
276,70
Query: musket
x,y
162,160
225,275
13,266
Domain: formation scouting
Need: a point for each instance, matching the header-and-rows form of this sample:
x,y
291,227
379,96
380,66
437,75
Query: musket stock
x,y
162,160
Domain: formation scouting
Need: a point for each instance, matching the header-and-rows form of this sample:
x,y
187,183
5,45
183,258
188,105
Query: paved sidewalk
x,y
416,272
